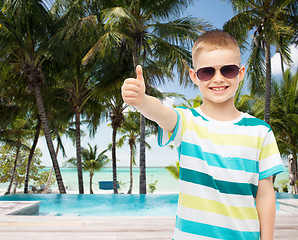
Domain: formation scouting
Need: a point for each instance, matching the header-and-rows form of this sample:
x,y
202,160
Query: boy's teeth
x,y
218,88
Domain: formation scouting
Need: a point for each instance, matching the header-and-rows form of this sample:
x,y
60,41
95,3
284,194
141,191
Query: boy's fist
x,y
133,89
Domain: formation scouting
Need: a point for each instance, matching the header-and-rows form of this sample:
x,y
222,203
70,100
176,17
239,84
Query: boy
x,y
227,158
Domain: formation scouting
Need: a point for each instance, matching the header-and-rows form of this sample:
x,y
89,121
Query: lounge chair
x,y
107,185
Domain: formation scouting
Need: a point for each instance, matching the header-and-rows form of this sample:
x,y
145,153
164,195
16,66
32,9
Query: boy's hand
x,y
133,89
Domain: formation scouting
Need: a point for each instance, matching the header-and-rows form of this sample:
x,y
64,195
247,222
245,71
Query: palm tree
x,y
19,131
284,112
130,131
272,24
116,107
91,161
31,154
26,27
284,116
145,28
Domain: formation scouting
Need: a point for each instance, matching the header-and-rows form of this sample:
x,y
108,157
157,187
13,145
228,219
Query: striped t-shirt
x,y
221,163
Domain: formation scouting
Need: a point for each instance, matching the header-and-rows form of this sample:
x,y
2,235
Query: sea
x,y
164,181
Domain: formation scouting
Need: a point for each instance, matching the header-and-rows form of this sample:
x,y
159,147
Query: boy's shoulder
x,y
246,120
190,111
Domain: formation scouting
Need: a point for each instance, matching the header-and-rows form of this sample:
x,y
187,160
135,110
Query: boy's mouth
x,y
218,88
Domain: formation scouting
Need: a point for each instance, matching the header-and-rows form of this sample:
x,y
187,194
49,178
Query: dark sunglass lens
x,y
230,71
205,74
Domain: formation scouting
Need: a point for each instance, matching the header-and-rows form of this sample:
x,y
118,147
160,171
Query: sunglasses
x,y
228,71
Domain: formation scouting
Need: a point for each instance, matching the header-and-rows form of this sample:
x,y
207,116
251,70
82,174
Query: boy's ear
x,y
193,76
241,73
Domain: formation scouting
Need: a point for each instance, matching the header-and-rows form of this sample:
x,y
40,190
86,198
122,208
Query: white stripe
x,y
218,220
213,194
269,139
218,173
270,162
178,235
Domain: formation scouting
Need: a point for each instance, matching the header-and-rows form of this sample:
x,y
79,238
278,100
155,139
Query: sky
x,y
216,12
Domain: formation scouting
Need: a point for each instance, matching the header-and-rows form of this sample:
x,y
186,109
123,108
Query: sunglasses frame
x,y
217,68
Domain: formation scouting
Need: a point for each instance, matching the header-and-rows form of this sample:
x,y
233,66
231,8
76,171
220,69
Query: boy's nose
x,y
218,77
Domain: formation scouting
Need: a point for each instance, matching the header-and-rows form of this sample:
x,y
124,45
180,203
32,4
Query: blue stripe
x,y
246,189
272,171
215,160
211,231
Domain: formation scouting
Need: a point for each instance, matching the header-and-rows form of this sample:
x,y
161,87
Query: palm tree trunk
x,y
14,191
31,154
282,64
47,185
78,148
268,82
46,129
13,171
91,176
281,58
130,168
114,160
142,187
295,169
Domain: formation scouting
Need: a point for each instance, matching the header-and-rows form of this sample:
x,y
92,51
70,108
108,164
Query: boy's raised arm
x,y
133,93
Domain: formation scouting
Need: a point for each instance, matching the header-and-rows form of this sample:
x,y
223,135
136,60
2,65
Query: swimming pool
x,y
109,204
101,204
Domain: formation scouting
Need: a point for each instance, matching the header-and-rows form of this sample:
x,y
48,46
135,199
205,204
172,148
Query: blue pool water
x,y
108,204
101,204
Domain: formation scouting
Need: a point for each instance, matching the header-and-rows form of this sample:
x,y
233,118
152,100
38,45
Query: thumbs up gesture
x,y
133,89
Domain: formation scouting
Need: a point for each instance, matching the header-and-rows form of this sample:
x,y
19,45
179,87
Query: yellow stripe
x,y
225,139
217,207
269,150
183,120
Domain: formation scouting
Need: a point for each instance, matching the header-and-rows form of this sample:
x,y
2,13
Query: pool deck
x,y
19,208
103,228
16,227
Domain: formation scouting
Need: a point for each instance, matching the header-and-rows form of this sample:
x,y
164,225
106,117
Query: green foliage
x,y
7,157
284,112
272,21
91,159
174,170
284,184
152,187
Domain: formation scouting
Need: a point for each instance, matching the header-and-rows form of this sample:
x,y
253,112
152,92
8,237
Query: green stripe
x,y
173,136
194,113
252,122
204,179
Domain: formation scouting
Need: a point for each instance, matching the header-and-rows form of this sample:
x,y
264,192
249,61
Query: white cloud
x,y
276,64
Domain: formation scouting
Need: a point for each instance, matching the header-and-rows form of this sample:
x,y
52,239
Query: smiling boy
x,y
227,158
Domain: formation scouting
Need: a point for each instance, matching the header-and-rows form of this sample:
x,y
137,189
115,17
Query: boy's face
x,y
218,89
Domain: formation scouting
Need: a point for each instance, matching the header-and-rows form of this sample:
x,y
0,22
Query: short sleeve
x,y
165,138
270,162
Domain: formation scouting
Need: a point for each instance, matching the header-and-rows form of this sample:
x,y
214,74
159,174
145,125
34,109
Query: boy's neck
x,y
220,111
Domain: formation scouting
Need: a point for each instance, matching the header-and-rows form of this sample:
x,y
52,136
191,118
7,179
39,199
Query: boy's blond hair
x,y
212,40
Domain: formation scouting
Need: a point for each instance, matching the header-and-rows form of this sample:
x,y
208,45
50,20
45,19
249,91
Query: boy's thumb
x,y
139,72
